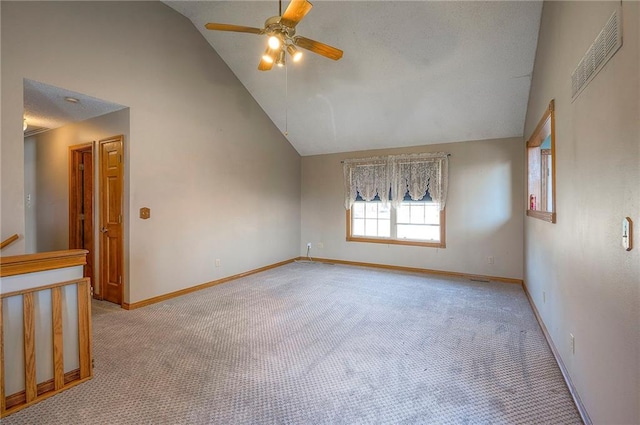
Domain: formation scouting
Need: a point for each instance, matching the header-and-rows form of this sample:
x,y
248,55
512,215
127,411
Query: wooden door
x,y
111,226
81,203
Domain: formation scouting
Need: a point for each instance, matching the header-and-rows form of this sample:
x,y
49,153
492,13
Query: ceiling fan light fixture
x,y
269,55
281,36
274,42
281,59
296,54
24,124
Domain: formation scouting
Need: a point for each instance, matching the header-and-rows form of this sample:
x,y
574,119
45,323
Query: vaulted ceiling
x,y
413,73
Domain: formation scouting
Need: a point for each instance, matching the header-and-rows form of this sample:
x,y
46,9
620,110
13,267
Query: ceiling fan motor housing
x,y
272,26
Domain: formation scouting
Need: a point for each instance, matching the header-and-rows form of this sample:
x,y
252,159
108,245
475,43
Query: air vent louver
x,y
33,130
603,48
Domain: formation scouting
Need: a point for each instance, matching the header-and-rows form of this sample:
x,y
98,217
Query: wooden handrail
x,y
11,239
29,263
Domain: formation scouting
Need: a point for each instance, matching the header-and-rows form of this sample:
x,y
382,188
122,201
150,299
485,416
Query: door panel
x,y
87,207
111,227
81,203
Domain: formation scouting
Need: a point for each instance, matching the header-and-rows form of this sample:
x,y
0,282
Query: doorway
x,y
58,124
81,201
109,286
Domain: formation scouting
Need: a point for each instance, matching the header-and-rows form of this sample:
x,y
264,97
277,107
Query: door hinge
x,y
81,167
120,280
81,217
119,218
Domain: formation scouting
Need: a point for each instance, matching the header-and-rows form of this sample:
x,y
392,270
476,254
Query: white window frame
x,y
393,239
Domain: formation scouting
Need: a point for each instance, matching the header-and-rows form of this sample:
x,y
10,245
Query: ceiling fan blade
x,y
265,65
234,28
296,10
319,48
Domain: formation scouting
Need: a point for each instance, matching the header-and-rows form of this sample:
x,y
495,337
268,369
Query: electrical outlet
x,y
320,245
217,262
572,343
490,260
308,244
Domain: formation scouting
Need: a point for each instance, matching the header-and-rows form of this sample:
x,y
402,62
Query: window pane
x,y
432,214
371,227
417,213
403,213
357,210
418,232
371,209
358,227
384,228
384,212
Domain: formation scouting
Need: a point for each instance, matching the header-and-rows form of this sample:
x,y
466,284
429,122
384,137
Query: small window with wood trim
x,y
397,199
541,175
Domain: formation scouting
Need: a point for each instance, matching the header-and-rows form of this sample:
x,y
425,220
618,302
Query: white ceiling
x,y
413,73
45,107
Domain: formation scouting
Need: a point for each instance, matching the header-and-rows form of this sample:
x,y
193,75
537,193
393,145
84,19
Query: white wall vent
x,y
33,130
603,48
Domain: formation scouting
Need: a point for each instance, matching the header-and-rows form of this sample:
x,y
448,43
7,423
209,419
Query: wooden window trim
x,y
534,142
390,241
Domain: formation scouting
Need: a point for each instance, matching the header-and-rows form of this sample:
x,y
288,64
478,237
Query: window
x,y
541,169
418,223
397,199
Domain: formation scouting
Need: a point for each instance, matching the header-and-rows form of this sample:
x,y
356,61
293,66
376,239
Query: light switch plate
x,y
627,234
145,213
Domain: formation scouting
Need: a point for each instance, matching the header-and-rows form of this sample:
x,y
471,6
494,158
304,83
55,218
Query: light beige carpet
x,y
320,344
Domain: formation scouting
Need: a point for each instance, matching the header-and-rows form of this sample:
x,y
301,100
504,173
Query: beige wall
x,y
220,179
484,213
592,284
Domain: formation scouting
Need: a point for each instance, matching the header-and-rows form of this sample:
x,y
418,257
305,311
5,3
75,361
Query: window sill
x,y
396,242
542,215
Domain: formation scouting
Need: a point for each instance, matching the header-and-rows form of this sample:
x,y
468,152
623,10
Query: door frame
x,y
75,182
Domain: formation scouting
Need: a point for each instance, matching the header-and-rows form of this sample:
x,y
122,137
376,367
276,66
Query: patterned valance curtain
x,y
368,177
416,174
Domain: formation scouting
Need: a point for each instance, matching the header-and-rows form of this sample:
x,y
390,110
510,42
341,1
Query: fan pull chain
x,y
286,100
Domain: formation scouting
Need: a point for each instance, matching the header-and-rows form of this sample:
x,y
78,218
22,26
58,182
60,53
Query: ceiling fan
x,y
281,30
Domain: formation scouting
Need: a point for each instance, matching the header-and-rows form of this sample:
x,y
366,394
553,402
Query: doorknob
x,y
104,230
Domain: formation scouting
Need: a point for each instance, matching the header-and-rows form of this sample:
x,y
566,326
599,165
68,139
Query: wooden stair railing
x,y
65,302
11,239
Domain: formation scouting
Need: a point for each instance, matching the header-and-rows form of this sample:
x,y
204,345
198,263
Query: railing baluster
x,y
84,329
28,314
58,344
